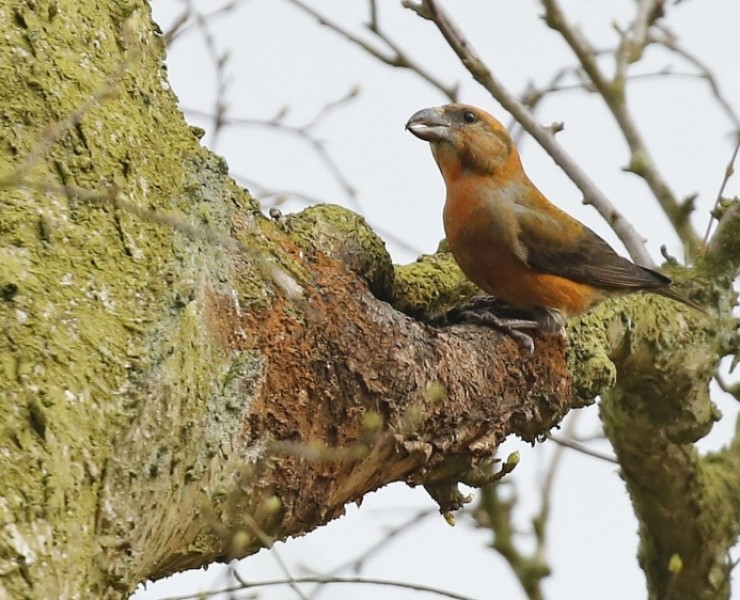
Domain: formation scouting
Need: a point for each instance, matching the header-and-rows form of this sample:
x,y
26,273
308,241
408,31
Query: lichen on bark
x,y
184,380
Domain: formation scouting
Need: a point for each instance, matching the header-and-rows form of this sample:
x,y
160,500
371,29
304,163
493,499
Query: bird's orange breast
x,y
504,276
483,240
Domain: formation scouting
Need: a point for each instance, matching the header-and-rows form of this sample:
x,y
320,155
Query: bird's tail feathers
x,y
670,292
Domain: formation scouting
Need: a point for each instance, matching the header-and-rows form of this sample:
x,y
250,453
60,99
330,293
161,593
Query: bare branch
x,y
635,39
245,584
262,193
582,448
302,132
613,93
669,41
495,513
220,60
729,172
330,107
183,24
356,563
395,58
532,96
648,11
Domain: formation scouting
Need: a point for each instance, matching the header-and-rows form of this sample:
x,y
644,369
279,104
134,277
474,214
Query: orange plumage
x,y
507,237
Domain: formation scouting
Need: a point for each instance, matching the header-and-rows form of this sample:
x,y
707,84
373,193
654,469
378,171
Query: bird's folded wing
x,y
585,258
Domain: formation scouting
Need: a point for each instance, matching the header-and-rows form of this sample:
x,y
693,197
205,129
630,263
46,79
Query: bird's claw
x,y
480,311
508,326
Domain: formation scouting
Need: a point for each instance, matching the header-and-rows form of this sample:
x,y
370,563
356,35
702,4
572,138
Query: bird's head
x,y
465,140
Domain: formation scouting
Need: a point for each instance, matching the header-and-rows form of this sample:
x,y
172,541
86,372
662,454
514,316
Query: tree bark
x,y
175,396
185,381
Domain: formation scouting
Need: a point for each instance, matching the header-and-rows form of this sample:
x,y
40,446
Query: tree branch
x,y
614,95
396,58
659,408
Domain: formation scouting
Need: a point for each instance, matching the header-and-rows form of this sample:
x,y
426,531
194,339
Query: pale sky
x,y
279,57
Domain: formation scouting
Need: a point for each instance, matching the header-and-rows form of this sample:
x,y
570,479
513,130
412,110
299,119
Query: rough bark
x,y
688,505
174,396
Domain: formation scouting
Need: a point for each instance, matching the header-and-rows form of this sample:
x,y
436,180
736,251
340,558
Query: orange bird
x,y
508,238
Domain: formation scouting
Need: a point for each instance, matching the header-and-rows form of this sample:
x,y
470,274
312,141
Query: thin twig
x,y
357,562
395,58
244,585
497,516
278,197
184,23
729,171
635,39
302,132
540,521
613,93
220,60
668,40
533,95
648,11
269,542
333,105
582,448
634,243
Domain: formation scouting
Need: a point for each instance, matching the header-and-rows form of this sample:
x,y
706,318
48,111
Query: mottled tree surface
x,y
184,380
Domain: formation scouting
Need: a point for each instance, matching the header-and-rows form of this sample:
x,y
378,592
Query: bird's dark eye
x,y
469,116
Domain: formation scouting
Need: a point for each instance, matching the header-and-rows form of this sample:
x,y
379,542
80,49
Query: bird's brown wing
x,y
587,258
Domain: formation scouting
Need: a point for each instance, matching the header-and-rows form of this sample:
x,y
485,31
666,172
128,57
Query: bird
x,y
509,239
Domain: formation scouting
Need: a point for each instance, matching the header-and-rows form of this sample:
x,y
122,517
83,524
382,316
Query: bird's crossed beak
x,y
430,124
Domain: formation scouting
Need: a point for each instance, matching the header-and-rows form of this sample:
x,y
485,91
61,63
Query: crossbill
x,y
509,239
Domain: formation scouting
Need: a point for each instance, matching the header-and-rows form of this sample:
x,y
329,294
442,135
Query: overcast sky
x,y
280,58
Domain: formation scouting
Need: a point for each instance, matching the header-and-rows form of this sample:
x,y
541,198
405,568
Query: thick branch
x,y
341,394
184,380
686,505
395,58
723,253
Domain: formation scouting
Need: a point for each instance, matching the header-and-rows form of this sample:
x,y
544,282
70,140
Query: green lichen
x,y
101,307
346,235
621,338
589,363
431,285
722,489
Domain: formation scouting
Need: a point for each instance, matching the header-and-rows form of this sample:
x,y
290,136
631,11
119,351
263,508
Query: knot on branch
x,y
346,236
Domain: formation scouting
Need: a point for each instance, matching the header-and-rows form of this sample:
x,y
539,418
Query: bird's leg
x,y
551,321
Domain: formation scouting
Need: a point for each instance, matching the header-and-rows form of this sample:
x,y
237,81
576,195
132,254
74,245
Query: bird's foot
x,y
480,311
509,326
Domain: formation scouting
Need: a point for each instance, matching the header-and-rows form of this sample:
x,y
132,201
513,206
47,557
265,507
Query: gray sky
x,y
279,57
